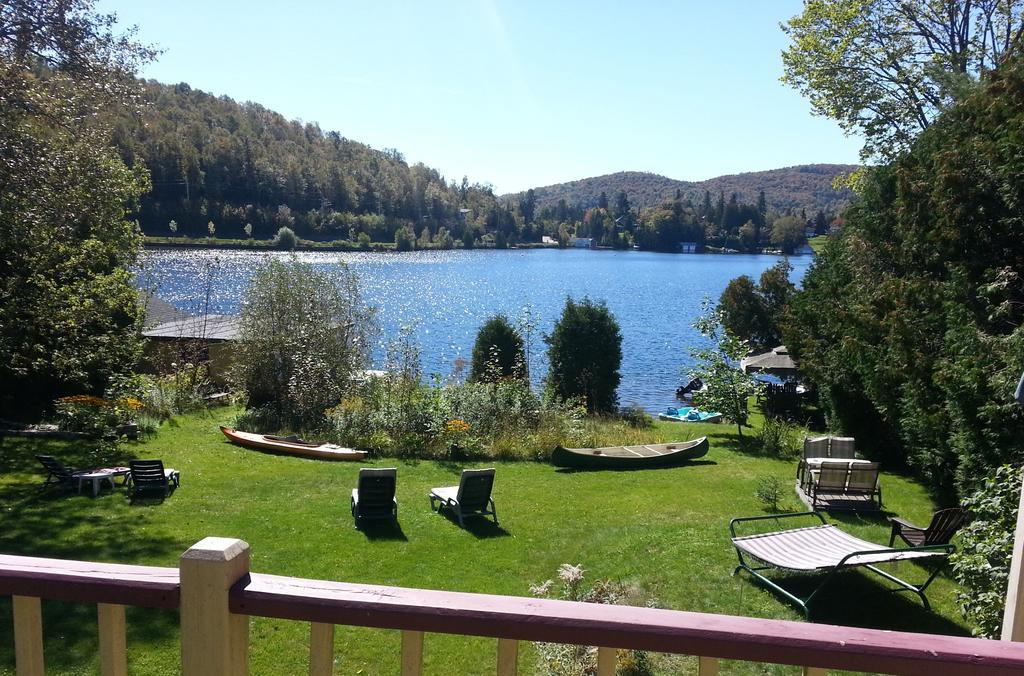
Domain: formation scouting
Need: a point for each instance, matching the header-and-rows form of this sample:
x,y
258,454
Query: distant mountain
x,y
806,186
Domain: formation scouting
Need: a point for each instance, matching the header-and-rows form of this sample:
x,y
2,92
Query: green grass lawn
x,y
662,532
818,242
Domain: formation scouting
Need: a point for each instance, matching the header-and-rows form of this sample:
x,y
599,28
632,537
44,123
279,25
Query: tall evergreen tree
x,y
585,352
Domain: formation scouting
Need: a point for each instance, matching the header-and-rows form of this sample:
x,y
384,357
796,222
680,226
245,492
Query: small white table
x,y
97,477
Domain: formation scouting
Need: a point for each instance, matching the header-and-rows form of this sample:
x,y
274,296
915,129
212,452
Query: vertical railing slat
x,y
113,643
508,657
321,649
606,661
412,653
707,666
28,635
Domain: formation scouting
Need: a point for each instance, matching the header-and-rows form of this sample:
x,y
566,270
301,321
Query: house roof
x,y
158,311
204,327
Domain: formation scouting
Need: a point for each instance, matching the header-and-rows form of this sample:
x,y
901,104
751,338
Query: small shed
x,y
194,339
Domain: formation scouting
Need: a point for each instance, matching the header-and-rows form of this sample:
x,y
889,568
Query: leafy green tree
x,y
727,387
885,70
305,336
286,238
981,564
528,206
69,317
743,311
909,323
585,353
248,230
756,312
173,226
788,233
211,229
405,240
497,352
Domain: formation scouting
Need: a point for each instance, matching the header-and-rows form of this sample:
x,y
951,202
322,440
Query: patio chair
x,y
374,497
814,447
58,474
842,448
945,523
149,476
471,497
830,478
863,480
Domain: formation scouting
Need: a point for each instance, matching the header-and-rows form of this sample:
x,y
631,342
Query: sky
x,y
515,94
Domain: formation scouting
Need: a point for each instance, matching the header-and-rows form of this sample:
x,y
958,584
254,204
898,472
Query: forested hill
x,y
806,187
214,160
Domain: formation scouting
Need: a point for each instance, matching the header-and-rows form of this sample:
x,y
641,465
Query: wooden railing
x,y
216,594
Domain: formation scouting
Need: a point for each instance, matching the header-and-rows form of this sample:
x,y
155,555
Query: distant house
x,y
582,242
687,247
548,240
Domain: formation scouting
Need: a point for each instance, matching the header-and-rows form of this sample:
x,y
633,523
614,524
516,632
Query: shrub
x,y
285,239
778,438
981,565
634,416
305,336
585,352
393,415
560,658
498,352
769,492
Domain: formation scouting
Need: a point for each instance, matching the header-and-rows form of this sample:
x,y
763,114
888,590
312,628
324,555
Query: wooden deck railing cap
x,y
216,549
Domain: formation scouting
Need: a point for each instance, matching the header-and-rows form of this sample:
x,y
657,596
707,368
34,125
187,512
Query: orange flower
x,y
456,426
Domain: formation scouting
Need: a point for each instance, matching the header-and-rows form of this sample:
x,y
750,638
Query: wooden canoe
x,y
287,446
631,457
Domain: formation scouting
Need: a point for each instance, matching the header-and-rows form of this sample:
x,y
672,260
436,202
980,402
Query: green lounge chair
x,y
471,497
149,476
374,497
59,474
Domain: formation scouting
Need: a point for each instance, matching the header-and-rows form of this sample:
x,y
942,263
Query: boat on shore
x,y
689,414
631,457
291,446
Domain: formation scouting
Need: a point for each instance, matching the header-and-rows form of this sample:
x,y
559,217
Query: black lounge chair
x,y
374,498
824,548
149,476
945,523
59,474
471,497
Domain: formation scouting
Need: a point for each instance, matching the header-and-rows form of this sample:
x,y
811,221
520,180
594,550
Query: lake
x,y
445,296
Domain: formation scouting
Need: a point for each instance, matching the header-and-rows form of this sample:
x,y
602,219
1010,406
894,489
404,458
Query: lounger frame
x,y
805,603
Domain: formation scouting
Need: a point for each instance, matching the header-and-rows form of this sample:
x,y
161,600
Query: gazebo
x,y
776,362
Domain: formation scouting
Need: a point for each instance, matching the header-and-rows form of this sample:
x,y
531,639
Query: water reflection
x,y
446,295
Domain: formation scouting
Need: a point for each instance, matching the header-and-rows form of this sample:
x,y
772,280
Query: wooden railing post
x,y
214,642
1013,613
